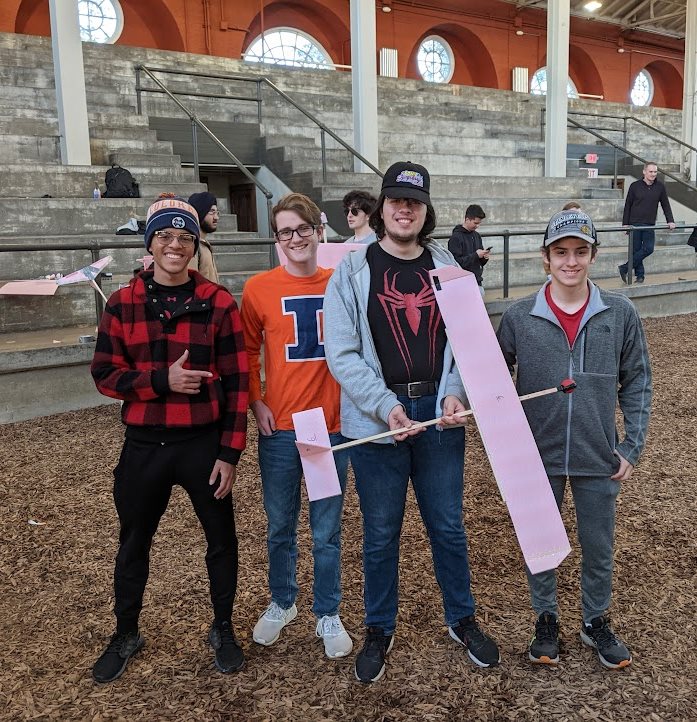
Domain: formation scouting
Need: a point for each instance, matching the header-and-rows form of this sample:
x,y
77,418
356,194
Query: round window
x,y
435,60
101,21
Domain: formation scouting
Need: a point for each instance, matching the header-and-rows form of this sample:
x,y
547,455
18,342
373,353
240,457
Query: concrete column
x,y
557,79
69,72
689,106
364,81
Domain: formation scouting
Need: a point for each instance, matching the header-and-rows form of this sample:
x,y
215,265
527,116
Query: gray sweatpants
x,y
594,501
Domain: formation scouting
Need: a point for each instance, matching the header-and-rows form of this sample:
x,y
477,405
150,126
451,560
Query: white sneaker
x,y
271,622
337,642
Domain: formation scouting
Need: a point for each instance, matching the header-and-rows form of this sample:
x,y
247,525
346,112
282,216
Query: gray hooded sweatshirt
x,y
348,343
609,361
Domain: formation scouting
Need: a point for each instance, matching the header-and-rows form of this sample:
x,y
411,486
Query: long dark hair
x,y
378,224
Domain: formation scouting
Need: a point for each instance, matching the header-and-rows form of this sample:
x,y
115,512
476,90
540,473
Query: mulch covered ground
x,y
56,594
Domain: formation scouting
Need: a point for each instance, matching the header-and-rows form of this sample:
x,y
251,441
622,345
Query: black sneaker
x,y
114,659
623,273
639,279
370,661
481,648
544,646
612,652
229,656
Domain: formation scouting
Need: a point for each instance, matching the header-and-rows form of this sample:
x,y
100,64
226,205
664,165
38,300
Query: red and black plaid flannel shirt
x,y
135,350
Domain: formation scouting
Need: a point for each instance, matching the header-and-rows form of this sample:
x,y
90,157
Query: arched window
x,y
101,21
538,84
287,46
435,60
642,90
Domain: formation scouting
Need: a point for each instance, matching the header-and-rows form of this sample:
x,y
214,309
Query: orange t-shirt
x,y
285,314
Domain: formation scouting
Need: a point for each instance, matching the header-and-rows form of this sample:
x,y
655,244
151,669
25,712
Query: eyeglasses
x,y
164,238
353,211
287,233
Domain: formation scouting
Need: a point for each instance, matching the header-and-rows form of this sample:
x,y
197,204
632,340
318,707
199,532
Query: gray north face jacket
x,y
609,361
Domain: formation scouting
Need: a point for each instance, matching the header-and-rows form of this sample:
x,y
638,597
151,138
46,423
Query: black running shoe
x,y
114,659
481,648
623,273
229,656
612,652
370,661
544,646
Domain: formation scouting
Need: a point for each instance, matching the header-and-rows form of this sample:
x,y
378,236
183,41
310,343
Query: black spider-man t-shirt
x,y
404,317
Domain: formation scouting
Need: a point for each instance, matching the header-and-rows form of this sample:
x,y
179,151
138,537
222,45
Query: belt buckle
x,y
415,384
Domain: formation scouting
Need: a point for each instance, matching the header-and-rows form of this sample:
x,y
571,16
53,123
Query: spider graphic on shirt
x,y
410,307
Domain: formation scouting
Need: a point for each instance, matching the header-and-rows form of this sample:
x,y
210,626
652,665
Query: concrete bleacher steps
x,y
35,180
480,145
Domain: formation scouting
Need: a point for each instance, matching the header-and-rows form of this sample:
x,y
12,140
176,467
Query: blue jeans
x,y
281,476
434,461
643,242
594,500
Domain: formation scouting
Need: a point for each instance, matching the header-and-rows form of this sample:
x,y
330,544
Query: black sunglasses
x,y
353,211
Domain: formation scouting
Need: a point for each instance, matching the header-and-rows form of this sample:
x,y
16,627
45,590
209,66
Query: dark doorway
x,y
244,205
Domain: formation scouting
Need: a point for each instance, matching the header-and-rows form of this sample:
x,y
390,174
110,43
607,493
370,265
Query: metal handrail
x,y
96,246
624,150
623,130
624,119
258,100
636,120
197,123
324,129
507,234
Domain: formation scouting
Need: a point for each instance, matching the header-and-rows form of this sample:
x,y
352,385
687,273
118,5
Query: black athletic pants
x,y
143,481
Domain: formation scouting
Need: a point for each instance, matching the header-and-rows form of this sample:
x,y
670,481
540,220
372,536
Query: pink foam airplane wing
x,y
503,426
329,255
88,273
36,287
316,456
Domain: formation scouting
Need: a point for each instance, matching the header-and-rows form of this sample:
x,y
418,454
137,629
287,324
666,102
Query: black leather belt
x,y
414,389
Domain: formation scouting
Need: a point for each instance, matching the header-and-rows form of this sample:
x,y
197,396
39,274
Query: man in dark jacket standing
x,y
640,209
466,244
170,346
570,327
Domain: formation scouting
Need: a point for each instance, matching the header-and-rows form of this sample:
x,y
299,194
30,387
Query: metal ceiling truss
x,y
665,17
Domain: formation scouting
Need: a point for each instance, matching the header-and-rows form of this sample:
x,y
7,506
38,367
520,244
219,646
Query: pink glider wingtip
x,y
547,561
316,456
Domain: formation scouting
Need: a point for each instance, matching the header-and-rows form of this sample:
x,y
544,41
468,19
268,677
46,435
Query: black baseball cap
x,y
407,180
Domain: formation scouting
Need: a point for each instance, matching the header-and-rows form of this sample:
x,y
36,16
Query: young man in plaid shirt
x,y
170,346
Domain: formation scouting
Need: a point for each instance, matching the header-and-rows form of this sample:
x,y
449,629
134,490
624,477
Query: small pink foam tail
x,y
316,456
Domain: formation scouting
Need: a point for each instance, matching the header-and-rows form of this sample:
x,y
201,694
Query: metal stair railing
x,y
624,130
196,123
624,150
261,80
508,234
96,247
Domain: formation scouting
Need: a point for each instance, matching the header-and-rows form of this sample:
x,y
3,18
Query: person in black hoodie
x,y
466,244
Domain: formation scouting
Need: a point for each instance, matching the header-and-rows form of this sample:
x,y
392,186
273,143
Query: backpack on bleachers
x,y
120,183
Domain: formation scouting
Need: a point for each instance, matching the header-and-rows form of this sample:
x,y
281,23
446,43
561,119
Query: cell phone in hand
x,y
489,248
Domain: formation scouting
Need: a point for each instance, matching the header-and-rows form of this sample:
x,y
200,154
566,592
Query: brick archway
x,y
312,18
150,24
667,84
583,72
